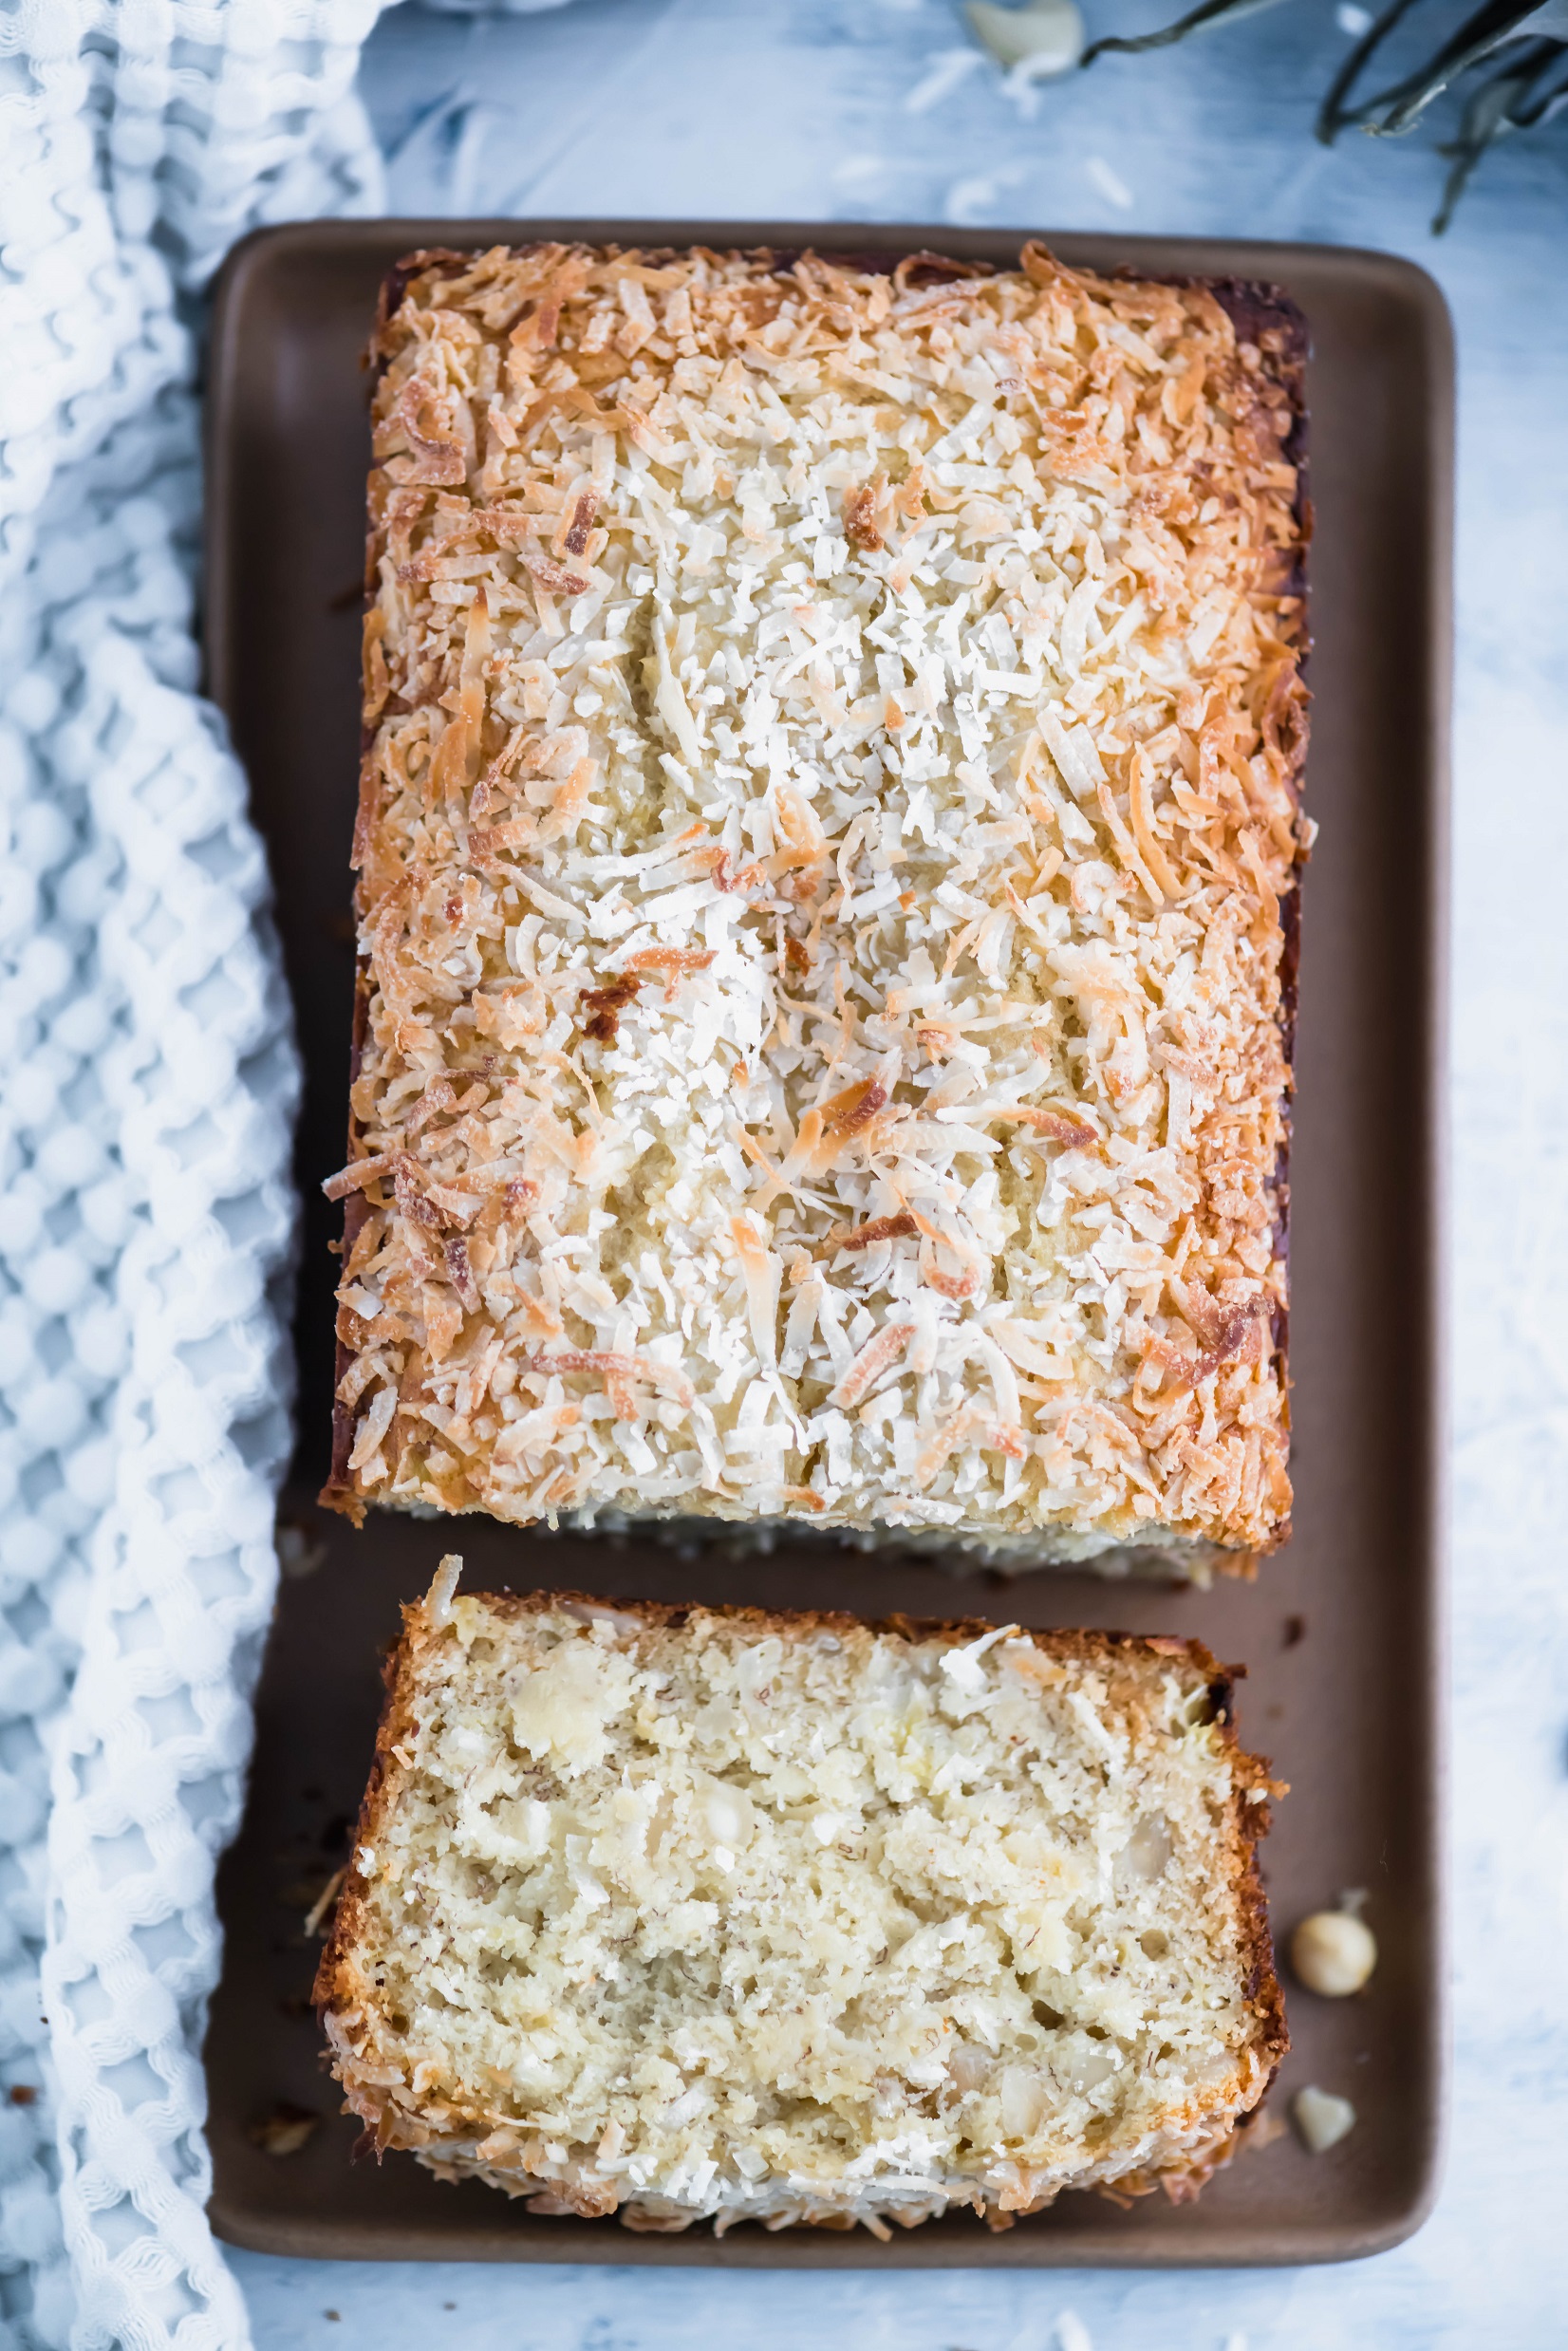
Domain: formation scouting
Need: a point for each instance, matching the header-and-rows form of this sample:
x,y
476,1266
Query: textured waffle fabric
x,y
149,1087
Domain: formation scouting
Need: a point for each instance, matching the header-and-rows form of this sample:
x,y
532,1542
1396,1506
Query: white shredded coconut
x,y
962,1665
832,786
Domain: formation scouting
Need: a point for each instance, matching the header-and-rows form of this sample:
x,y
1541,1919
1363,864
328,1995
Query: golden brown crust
x,y
1226,1328
330,1989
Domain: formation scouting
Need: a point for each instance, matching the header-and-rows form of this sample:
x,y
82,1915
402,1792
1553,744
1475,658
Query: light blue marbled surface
x,y
868,109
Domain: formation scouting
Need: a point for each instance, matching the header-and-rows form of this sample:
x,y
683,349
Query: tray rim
x,y
1252,2245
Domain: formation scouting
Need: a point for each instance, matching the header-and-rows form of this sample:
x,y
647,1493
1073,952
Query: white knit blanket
x,y
145,1109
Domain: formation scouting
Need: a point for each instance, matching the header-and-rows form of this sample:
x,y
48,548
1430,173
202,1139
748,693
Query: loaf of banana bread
x,y
827,860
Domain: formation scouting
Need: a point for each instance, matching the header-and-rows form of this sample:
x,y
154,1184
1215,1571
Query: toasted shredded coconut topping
x,y
831,788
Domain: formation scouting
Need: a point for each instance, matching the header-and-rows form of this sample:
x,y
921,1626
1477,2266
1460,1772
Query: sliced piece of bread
x,y
703,1912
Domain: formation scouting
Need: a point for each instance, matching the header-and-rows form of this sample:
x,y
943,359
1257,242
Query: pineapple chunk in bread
x,y
708,1913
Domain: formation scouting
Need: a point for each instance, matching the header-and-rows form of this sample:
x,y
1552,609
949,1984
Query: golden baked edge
x,y
1196,2144
1191,1470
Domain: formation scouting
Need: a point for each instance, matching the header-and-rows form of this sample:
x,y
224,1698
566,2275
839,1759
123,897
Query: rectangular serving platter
x,y
1341,1633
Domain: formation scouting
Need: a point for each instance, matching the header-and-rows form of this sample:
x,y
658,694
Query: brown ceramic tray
x,y
1342,1632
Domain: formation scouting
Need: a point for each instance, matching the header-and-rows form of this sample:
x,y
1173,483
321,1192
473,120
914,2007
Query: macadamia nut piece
x,y
1323,2118
1333,1953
